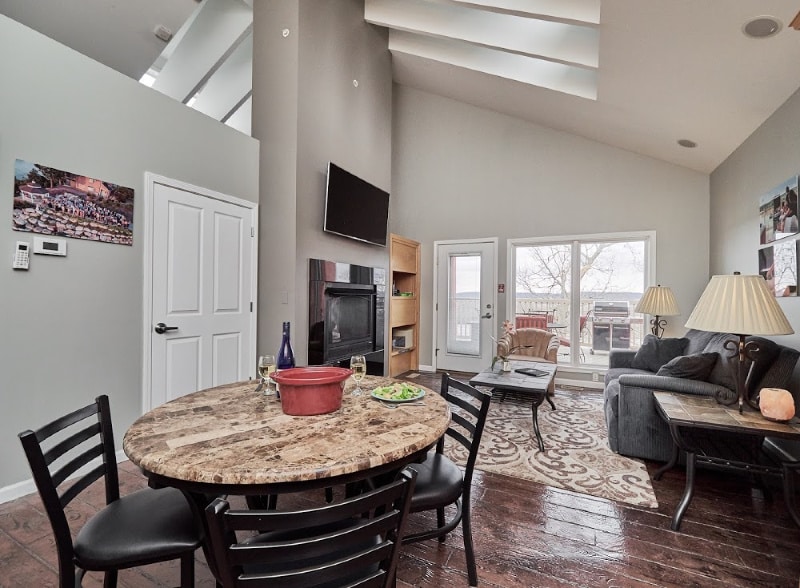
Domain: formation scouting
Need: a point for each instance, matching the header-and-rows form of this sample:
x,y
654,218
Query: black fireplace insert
x,y
346,314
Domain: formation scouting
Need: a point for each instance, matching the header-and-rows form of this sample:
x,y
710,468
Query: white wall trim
x,y
20,489
150,181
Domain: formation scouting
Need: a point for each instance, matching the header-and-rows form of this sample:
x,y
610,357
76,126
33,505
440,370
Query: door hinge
x,y
251,306
252,231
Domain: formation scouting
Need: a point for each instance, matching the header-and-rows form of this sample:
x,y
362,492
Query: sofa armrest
x,y
620,358
670,384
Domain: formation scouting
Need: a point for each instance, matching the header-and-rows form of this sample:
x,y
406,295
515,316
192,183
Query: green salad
x,y
397,391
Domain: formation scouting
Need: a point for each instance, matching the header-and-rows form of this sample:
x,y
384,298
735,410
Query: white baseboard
x,y
20,489
426,368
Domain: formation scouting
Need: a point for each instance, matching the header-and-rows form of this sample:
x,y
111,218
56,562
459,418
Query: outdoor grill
x,y
611,326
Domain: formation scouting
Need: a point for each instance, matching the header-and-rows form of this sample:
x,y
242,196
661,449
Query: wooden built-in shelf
x,y
403,310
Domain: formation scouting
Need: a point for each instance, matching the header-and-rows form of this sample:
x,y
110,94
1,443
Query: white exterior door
x,y
202,320
465,305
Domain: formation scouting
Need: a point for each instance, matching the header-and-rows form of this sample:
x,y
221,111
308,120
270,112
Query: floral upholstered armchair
x,y
529,345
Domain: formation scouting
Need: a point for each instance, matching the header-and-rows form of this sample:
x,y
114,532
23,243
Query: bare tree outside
x,y
609,271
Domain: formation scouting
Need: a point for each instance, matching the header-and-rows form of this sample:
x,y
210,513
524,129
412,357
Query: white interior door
x,y
465,305
202,327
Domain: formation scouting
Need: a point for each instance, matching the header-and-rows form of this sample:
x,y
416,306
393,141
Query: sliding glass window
x,y
584,289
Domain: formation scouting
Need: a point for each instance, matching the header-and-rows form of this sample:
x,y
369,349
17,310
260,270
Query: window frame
x,y
575,241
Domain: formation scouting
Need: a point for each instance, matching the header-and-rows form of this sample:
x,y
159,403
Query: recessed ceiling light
x,y
762,27
689,144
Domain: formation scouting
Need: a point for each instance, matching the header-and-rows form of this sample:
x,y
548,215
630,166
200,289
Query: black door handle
x,y
161,328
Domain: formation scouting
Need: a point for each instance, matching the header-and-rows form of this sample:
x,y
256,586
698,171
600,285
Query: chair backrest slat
x,y
76,463
71,442
354,542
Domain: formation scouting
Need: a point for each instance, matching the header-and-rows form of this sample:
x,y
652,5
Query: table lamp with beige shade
x,y
741,305
658,301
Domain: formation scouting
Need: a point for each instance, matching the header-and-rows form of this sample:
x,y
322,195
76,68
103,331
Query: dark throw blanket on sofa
x,y
695,364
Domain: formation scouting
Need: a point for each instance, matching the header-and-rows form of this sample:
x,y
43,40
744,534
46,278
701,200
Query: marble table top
x,y
232,435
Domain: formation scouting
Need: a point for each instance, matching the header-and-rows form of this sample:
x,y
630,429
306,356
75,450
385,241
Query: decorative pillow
x,y
655,352
691,367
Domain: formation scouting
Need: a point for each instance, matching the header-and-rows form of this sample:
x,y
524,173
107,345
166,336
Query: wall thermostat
x,y
49,246
21,257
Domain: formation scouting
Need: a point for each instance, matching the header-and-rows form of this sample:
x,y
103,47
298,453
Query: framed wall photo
x,y
778,212
777,264
785,272
56,202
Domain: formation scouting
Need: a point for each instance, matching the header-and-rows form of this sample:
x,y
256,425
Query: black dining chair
x,y
66,456
440,482
354,542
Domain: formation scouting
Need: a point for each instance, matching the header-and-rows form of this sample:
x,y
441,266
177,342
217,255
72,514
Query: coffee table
x,y
535,386
722,438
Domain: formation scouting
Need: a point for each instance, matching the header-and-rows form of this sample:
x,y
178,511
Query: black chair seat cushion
x,y
439,483
145,525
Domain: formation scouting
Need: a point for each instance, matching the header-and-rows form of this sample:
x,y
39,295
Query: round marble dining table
x,y
234,440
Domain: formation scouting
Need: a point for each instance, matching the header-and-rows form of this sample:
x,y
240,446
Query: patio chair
x,y
564,341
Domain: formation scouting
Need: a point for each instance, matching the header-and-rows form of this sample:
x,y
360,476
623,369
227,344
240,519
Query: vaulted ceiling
x,y
636,74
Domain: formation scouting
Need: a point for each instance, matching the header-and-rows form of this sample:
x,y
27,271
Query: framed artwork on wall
x,y
778,265
56,202
778,212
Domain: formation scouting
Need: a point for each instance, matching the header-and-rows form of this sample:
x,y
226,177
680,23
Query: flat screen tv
x,y
355,208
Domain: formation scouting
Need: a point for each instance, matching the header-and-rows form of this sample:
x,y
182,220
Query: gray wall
x,y
768,157
464,172
71,327
317,115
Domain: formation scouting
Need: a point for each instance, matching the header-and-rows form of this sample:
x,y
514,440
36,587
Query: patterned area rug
x,y
576,455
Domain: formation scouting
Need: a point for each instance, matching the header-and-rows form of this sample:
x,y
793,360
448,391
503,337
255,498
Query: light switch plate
x,y
50,246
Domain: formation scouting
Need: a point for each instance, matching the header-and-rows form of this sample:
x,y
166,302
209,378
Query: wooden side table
x,y
721,438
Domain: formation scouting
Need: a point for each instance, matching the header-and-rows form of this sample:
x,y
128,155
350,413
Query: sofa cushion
x,y
724,372
655,352
697,341
693,367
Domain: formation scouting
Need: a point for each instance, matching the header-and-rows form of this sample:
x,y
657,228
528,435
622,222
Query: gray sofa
x,y
635,428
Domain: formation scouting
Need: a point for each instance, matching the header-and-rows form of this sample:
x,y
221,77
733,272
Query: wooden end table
x,y
695,423
535,386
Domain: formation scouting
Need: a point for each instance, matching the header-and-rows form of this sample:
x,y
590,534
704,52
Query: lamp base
x,y
742,351
657,326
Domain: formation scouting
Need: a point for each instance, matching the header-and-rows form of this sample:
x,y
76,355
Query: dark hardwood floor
x,y
525,535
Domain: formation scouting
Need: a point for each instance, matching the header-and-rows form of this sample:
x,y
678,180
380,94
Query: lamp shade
x,y
741,305
658,301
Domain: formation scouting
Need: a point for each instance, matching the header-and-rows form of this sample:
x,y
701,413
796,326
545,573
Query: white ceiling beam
x,y
577,81
218,28
575,11
555,41
229,84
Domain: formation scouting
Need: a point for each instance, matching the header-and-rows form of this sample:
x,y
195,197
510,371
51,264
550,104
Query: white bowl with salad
x,y
398,392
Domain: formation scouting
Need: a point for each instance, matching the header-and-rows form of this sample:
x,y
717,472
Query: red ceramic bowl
x,y
311,390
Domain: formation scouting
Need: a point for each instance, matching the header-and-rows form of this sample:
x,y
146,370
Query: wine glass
x,y
358,363
266,365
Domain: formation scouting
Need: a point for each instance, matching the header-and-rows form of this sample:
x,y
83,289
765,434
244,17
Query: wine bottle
x,y
285,353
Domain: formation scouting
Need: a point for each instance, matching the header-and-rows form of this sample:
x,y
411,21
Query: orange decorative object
x,y
776,404
311,390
